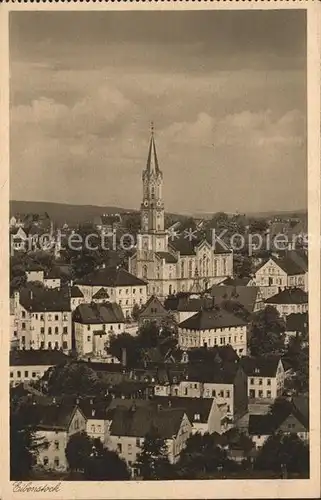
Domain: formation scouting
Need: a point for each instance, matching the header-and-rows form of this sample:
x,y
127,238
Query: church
x,y
171,262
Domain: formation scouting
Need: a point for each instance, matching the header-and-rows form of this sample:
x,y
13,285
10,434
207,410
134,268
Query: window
x,y
111,328
65,329
56,330
130,449
23,339
134,290
197,417
45,461
228,409
221,340
36,316
227,394
140,290
98,428
126,291
56,445
229,340
18,374
195,386
56,317
185,391
33,374
76,424
49,345
11,374
138,442
23,326
260,394
41,317
26,373
88,327
126,302
42,345
268,381
49,317
119,447
93,428
214,393
268,394
65,344
88,338
49,330
56,344
222,394
252,381
260,381
56,462
42,330
65,317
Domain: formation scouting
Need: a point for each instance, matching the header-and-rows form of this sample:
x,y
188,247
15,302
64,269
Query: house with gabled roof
x,y
290,300
275,274
94,323
265,375
30,365
54,424
152,311
122,287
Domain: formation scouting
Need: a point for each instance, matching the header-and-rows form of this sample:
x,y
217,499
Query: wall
x,y
26,373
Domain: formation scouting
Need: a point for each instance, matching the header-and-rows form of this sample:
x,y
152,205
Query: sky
x,y
226,91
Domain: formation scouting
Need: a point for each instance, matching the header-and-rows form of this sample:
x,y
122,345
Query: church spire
x,y
152,161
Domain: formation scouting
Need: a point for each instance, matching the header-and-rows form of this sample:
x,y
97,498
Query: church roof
x,y
168,257
152,161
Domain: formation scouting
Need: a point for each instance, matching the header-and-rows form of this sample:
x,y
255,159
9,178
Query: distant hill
x,y
61,213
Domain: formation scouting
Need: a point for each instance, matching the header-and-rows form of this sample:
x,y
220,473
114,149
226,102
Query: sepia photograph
x,y
158,246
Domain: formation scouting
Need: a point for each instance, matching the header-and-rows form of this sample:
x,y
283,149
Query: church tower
x,y
153,234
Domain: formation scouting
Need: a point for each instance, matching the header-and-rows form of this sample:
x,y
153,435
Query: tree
x,y
168,326
298,355
267,332
258,226
283,451
152,462
78,450
136,312
148,335
125,341
105,465
242,265
24,445
201,456
70,378
132,223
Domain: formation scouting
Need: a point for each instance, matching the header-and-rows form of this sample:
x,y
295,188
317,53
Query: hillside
x,y
61,213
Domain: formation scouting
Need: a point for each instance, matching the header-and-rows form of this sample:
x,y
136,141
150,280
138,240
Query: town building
x,y
129,428
290,301
30,365
54,424
285,272
266,377
296,325
172,261
213,327
153,311
43,318
121,286
94,323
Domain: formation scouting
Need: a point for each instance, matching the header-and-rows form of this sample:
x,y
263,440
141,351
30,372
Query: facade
x,y
213,327
130,426
266,377
153,311
170,263
43,319
55,425
276,274
28,365
94,324
121,286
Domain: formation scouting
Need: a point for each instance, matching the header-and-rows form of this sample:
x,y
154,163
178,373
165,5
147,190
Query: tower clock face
x,y
145,203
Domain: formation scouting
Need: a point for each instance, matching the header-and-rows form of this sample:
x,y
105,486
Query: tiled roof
x,y
215,373
47,417
99,314
212,319
37,357
289,296
261,425
244,295
152,303
168,257
139,422
271,422
186,247
236,281
101,294
260,366
37,299
192,406
54,273
300,258
111,277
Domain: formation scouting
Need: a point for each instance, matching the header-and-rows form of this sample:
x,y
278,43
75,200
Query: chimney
x,y
124,356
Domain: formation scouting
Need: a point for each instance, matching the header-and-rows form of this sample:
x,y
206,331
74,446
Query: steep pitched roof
x,y
36,299
111,277
152,160
52,416
75,292
260,366
152,303
192,406
297,322
140,421
99,314
244,295
101,294
211,320
216,373
168,257
37,357
289,296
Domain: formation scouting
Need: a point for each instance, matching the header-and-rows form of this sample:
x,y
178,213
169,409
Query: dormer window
x,y
197,417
